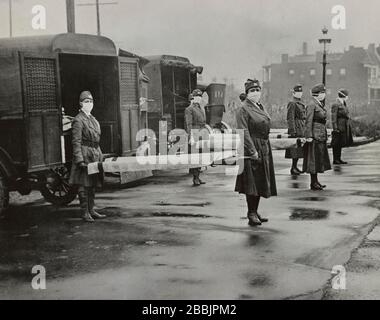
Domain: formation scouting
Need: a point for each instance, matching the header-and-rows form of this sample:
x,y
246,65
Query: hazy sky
x,y
230,38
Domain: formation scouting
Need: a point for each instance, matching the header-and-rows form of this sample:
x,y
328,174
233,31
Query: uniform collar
x,y
87,115
319,102
341,101
297,100
255,107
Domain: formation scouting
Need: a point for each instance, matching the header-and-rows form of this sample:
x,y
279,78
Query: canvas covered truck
x,y
41,78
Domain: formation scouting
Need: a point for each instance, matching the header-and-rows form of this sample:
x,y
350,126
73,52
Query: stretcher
x,y
160,162
177,161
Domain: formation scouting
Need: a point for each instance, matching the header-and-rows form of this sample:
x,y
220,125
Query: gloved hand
x,y
82,165
255,158
309,139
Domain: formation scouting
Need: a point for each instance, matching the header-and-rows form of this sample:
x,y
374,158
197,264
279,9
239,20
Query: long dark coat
x,y
256,178
340,120
85,132
296,116
316,156
195,117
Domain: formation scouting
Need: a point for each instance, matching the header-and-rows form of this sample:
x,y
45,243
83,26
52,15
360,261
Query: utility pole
x,y
10,19
70,13
325,41
97,5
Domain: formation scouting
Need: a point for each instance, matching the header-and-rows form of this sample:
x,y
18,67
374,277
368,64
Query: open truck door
x,y
42,110
129,104
43,126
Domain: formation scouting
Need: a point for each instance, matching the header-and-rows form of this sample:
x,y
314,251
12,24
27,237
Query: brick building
x,y
356,69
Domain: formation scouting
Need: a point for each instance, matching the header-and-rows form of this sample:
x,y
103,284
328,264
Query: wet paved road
x,y
164,239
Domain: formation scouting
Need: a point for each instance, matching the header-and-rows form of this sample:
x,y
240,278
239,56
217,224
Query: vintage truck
x,y
41,78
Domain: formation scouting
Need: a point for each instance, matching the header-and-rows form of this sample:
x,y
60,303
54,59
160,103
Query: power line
x,y
97,4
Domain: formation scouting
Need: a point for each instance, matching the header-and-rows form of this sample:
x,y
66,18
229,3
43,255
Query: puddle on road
x,y
195,204
179,215
138,213
308,214
311,199
371,194
337,170
294,184
259,280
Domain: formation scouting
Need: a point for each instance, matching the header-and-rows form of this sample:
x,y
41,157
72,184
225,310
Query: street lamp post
x,y
10,19
325,40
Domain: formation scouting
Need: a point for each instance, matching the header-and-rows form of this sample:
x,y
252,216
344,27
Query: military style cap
x,y
251,84
343,92
297,88
85,95
242,96
197,92
318,88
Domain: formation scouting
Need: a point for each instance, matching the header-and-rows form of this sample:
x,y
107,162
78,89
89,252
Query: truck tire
x,y
4,195
56,188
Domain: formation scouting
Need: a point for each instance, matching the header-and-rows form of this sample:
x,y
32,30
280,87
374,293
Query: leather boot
x,y
91,205
262,219
83,200
253,219
294,171
200,181
196,180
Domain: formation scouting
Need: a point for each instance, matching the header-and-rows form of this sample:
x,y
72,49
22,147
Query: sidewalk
x,y
362,270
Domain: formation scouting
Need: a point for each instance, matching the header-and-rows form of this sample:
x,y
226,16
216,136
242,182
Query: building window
x,y
329,72
312,72
373,73
291,72
342,72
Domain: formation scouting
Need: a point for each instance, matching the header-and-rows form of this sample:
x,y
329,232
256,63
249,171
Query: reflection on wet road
x,y
167,240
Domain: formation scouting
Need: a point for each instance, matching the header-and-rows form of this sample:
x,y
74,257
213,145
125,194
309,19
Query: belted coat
x,y
255,178
340,119
316,156
195,117
296,116
85,143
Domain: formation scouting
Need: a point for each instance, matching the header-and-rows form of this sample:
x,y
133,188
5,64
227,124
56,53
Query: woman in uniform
x,y
195,119
316,157
85,142
296,128
257,177
342,134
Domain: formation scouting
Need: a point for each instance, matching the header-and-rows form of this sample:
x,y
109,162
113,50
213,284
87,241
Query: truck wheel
x,y
56,188
4,195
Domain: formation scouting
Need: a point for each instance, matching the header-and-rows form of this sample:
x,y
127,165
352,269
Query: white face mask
x,y
297,95
197,99
321,96
87,107
254,96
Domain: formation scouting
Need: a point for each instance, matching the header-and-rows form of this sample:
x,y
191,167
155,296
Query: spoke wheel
x,y
56,189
